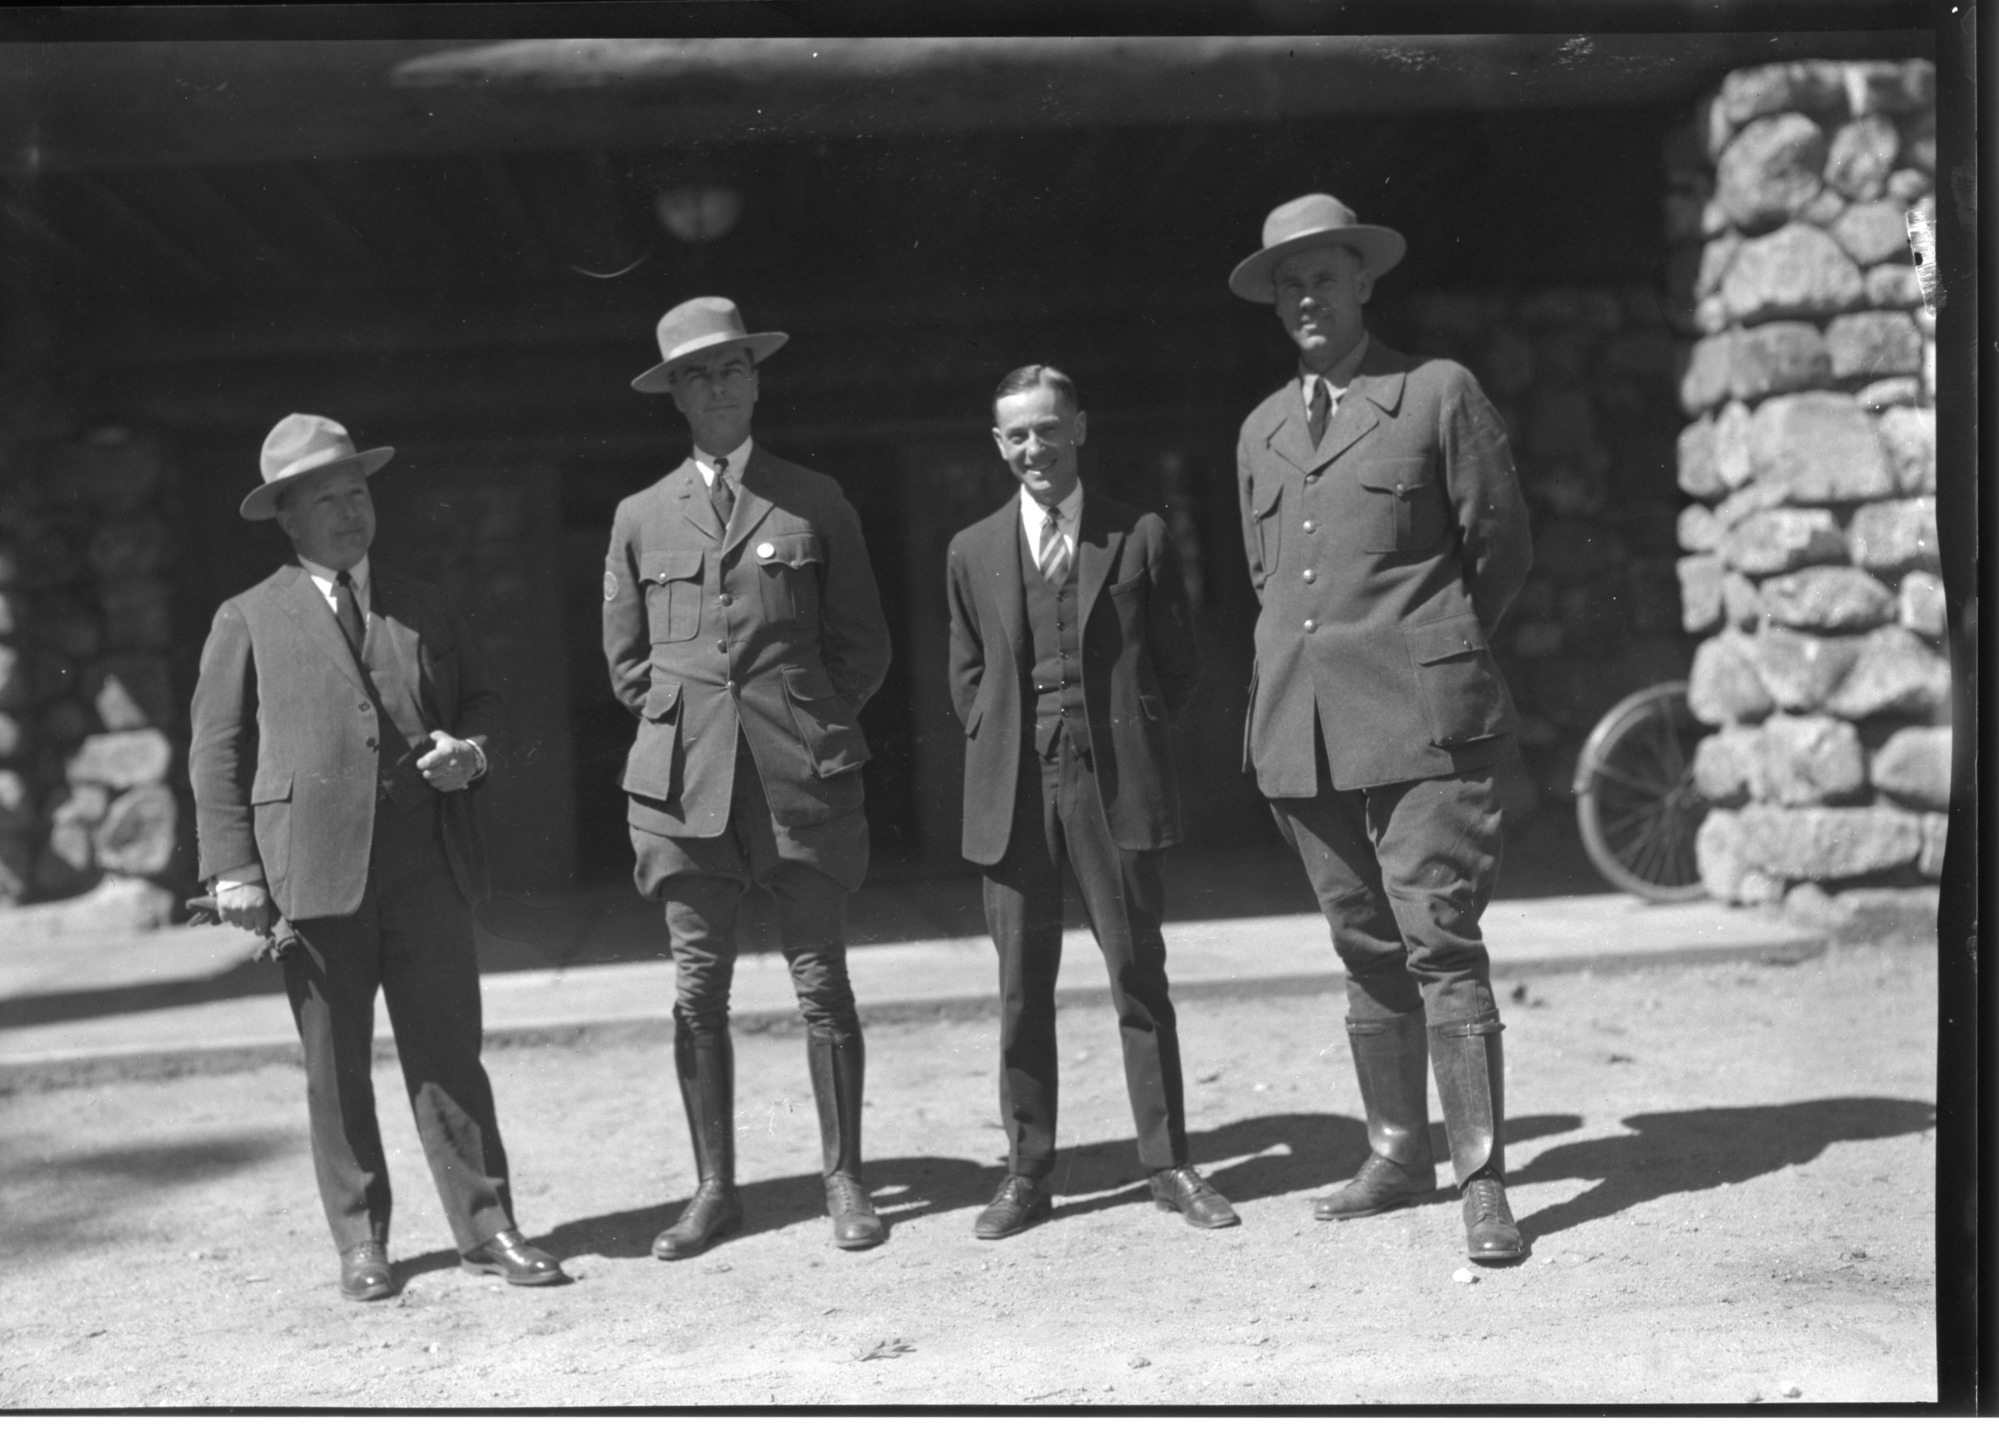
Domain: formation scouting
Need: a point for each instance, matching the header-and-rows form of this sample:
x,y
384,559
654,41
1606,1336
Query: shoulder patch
x,y
610,586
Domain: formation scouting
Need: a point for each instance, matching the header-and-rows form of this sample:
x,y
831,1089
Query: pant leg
x,y
331,984
1126,899
430,981
1023,899
1439,842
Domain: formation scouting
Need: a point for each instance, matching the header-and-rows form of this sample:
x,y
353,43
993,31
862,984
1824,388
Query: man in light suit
x,y
1071,656
742,627
340,722
1386,536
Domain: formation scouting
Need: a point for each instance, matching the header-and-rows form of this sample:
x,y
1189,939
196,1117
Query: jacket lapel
x,y
1097,547
1001,555
752,506
302,602
1291,439
695,504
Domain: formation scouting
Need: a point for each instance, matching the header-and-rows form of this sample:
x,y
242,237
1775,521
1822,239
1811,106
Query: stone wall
x,y
92,778
1584,378
1811,573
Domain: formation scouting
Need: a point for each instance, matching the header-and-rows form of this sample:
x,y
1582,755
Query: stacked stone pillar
x,y
1811,572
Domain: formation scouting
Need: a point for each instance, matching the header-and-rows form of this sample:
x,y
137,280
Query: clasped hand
x,y
450,763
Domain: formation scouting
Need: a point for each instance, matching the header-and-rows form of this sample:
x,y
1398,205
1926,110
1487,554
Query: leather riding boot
x,y
1471,1084
1391,1062
838,1065
706,1065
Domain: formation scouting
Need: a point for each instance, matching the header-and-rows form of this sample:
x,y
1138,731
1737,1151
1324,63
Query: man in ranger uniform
x,y
742,627
1386,536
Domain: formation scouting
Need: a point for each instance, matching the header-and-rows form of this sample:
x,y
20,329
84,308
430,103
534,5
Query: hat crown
x,y
303,441
1307,214
699,323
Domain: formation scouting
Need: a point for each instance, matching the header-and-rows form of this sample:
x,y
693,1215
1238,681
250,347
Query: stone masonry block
x,y
1920,605
1771,169
1893,285
1716,255
1890,538
1894,672
1733,458
1696,528
1822,844
1700,592
1936,831
1799,670
1909,437
1873,345
1741,602
1807,760
1782,539
122,759
1698,475
1719,855
1873,232
1861,156
1884,393
1820,447
1913,765
1827,598
1710,371
1725,684
1797,272
1781,357
137,836
1727,763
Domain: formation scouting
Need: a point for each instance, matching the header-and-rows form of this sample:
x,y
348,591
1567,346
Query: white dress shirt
x,y
1337,379
705,465
1068,516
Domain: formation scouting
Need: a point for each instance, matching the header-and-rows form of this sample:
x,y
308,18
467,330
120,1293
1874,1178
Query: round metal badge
x,y
610,586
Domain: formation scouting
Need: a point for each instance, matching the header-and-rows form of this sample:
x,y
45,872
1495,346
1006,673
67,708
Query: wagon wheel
x,y
1635,798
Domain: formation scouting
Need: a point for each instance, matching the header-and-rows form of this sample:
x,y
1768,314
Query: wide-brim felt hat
x,y
1307,222
303,446
694,327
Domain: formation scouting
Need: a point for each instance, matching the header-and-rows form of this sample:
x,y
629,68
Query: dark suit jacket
x,y
1140,667
773,628
282,759
1382,558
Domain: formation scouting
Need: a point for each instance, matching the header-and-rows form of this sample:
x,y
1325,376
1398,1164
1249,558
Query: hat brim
x,y
262,503
1380,249
655,379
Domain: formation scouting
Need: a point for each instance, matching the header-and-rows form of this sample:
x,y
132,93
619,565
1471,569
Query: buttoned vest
x,y
1058,655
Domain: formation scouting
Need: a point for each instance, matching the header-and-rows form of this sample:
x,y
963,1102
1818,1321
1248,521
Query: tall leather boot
x,y
1471,1084
838,1067
1390,1059
706,1065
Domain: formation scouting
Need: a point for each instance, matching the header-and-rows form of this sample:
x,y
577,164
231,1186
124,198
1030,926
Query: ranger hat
x,y
1308,222
305,446
694,327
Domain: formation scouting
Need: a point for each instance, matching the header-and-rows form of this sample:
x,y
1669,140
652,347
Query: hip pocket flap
x,y
1441,640
662,699
677,565
270,789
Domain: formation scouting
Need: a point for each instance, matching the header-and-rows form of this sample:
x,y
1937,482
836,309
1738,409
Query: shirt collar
x,y
1065,510
1339,377
325,577
706,464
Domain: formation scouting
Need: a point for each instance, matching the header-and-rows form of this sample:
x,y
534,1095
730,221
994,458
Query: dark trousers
x,y
1403,873
1058,819
702,882
412,939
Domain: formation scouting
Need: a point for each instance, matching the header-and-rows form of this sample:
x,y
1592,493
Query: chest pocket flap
x,y
682,564
1404,510
672,579
792,564
793,549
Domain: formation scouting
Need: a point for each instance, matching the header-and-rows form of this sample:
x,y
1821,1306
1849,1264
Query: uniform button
x,y
729,686
1310,624
1310,478
371,742
365,707
1309,574
726,598
722,646
1310,525
1398,489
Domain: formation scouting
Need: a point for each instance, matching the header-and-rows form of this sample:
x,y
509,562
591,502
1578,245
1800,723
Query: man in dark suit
x,y
742,627
340,722
1386,536
1071,656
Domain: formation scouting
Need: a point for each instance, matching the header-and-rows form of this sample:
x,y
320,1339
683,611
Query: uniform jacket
x,y
1139,662
773,628
1382,559
283,758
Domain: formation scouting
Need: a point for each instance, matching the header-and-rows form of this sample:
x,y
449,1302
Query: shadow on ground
x,y
1704,1148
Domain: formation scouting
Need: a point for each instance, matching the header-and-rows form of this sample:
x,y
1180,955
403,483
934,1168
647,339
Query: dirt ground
x,y
1726,1173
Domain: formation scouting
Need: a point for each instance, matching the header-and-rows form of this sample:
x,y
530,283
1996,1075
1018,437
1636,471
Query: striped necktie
x,y
1054,557
721,493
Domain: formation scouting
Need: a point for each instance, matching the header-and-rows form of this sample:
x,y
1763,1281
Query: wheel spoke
x,y
1631,782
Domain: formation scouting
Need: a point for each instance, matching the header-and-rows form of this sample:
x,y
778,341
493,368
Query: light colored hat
x,y
696,326
305,446
1307,222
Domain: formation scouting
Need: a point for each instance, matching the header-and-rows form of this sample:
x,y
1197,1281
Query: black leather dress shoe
x,y
1381,1184
711,1214
856,1224
1186,1192
364,1273
1490,1233
510,1255
1020,1202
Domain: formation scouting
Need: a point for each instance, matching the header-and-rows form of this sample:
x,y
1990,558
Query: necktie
x,y
1054,559
1322,410
347,611
721,494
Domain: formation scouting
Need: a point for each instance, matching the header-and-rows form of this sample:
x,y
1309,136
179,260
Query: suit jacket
x,y
283,759
1140,667
1381,558
773,629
